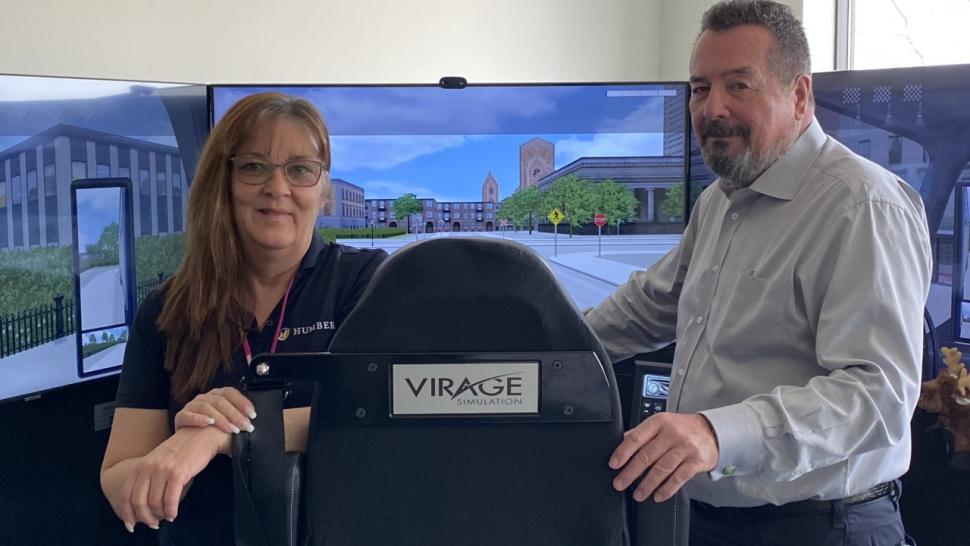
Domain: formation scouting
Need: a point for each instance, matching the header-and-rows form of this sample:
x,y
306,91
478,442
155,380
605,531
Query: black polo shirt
x,y
330,280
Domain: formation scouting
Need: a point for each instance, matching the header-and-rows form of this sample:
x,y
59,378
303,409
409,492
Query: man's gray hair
x,y
789,56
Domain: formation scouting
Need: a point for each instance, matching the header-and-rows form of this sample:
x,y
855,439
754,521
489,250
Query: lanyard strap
x,y
279,325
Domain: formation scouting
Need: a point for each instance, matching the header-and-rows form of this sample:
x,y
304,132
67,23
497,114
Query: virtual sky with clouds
x,y
442,144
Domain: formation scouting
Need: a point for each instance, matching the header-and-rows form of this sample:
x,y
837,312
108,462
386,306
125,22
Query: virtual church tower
x,y
490,190
535,161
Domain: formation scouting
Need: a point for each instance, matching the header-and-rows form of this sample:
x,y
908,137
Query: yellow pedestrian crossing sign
x,y
556,216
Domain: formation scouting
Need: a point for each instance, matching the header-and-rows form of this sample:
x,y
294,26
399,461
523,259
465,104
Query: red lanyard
x,y
279,324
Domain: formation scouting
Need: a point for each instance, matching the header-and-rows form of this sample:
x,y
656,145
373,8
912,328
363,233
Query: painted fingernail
x,y
250,427
155,527
210,421
170,520
252,414
234,429
130,527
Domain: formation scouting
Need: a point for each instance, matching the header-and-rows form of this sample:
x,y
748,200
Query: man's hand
x,y
673,447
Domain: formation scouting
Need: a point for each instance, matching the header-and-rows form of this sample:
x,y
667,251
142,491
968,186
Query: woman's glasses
x,y
257,170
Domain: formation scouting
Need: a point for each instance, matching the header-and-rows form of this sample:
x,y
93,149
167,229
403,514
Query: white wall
x,y
334,41
365,41
680,21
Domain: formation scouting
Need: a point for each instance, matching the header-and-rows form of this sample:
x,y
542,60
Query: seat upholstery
x,y
470,481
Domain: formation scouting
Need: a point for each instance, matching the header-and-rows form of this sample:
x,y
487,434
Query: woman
x,y
254,271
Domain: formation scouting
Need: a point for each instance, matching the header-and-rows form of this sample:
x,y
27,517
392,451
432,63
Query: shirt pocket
x,y
750,313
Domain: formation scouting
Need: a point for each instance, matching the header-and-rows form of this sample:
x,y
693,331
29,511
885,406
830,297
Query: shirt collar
x,y
783,178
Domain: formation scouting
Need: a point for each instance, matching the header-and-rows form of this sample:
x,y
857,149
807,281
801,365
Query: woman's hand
x,y
159,479
226,408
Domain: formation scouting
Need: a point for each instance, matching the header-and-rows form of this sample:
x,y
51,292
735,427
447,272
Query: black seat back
x,y
535,479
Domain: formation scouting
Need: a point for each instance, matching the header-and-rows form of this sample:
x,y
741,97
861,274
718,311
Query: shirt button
x,y
734,216
699,320
716,268
269,322
681,373
729,470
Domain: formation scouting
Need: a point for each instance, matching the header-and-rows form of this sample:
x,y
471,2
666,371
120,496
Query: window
x,y
16,190
102,165
145,193
880,34
33,200
161,193
177,219
124,163
895,150
31,161
79,170
50,197
865,148
16,194
4,240
50,178
79,159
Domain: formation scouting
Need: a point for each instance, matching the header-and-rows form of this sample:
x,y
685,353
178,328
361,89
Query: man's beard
x,y
741,170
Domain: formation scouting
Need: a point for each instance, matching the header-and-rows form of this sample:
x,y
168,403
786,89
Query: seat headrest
x,y
464,294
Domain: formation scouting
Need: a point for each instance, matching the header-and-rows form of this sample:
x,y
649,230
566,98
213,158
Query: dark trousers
x,y
872,523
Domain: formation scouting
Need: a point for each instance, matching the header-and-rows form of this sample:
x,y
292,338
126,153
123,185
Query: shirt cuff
x,y
739,440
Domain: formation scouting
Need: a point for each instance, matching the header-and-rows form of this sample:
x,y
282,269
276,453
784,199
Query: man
x,y
795,297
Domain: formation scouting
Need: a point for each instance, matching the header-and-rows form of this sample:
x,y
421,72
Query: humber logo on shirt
x,y
301,330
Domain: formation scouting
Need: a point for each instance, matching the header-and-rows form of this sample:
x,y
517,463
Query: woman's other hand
x,y
225,408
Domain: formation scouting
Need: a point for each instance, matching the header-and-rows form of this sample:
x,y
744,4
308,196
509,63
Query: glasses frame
x,y
323,168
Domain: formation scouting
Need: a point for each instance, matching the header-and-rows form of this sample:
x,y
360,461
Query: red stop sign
x,y
600,220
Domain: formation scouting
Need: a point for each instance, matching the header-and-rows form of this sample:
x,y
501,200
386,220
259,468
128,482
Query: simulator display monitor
x,y
94,178
914,122
498,160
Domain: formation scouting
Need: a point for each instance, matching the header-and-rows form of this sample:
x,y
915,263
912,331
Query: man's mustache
x,y
716,128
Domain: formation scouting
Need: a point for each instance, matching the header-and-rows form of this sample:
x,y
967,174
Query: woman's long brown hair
x,y
205,305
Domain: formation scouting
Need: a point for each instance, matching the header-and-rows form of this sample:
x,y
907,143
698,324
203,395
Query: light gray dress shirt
x,y
797,307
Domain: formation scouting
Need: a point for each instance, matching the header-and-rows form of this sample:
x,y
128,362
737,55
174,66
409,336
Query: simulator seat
x,y
463,401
